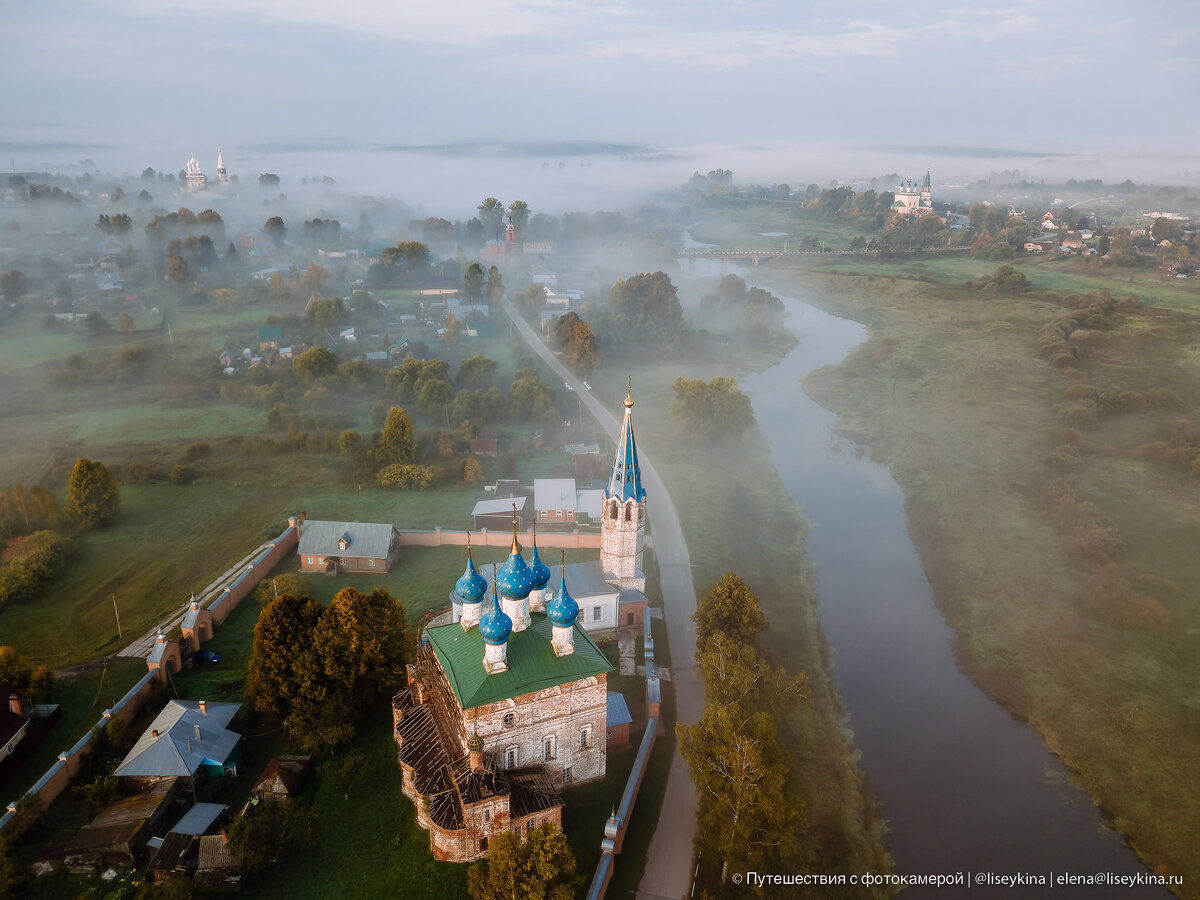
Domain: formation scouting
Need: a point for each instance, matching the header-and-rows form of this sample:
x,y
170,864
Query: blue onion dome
x,y
563,609
516,581
495,626
471,586
539,570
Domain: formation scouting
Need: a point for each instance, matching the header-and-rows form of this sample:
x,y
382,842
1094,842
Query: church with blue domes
x,y
507,699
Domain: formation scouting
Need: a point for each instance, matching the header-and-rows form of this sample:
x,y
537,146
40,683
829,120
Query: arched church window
x,y
628,511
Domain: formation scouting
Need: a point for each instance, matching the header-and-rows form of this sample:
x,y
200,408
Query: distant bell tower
x,y
222,177
926,193
623,522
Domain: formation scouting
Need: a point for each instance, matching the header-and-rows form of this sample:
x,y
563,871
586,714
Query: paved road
x,y
669,866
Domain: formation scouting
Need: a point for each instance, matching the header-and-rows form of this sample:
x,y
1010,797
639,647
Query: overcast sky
x,y
167,76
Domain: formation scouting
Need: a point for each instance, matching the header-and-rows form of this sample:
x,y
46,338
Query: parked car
x,y
206,657
567,385
586,385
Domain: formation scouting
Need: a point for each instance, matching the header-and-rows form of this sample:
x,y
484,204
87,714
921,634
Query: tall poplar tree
x,y
93,497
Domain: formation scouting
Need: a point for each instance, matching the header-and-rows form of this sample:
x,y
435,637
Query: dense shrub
x,y
182,474
1111,597
1075,392
405,477
1118,400
1094,541
1065,456
1077,415
31,562
196,451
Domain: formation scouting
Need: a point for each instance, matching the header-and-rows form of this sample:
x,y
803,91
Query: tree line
x,y
748,809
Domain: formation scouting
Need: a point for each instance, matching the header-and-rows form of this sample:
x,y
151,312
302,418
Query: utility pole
x,y
116,614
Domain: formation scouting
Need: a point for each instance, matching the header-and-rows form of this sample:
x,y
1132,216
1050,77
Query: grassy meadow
x,y
1093,645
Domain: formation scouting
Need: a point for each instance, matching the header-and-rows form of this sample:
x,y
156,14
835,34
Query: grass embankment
x,y
949,391
737,517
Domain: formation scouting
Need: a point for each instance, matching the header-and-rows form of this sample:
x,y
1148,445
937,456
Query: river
x,y
963,785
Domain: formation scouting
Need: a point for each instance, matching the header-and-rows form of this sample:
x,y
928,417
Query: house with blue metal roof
x,y
187,739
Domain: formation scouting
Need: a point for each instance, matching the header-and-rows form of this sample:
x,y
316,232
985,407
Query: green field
x,y
1065,276
754,227
950,393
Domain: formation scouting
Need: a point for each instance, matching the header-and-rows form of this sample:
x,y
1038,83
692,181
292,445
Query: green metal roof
x,y
532,663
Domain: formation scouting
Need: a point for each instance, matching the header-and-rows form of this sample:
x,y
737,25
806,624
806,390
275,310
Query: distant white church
x,y
195,180
912,200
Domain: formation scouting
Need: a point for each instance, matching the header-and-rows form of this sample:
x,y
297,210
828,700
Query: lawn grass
x,y
949,392
368,842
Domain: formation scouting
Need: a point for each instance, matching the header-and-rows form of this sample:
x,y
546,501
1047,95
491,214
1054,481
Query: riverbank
x,y
949,392
749,525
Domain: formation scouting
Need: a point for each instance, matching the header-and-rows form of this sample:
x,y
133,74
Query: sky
x,y
147,82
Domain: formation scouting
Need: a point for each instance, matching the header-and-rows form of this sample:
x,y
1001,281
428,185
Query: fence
x,y
439,537
60,775
618,822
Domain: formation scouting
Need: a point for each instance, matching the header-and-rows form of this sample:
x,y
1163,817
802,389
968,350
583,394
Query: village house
x,y
557,501
333,547
498,512
14,721
188,739
282,779
269,337
119,834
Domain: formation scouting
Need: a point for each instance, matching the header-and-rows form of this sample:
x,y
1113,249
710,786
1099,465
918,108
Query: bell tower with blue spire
x,y
623,523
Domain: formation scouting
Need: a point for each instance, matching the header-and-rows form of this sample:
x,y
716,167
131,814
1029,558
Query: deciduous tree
x,y
474,280
396,444
747,811
274,226
176,271
730,608
15,669
477,372
93,497
647,299
491,215
717,411
542,867
472,470
314,363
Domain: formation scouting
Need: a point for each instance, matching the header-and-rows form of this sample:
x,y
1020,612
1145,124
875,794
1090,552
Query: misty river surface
x,y
963,785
